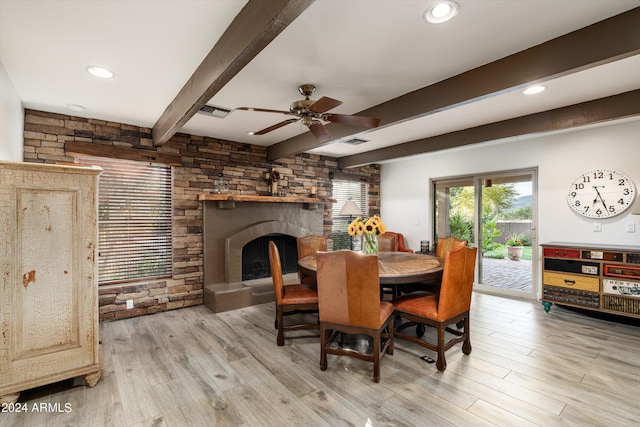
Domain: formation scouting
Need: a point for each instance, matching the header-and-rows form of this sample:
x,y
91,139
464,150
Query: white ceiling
x,y
360,52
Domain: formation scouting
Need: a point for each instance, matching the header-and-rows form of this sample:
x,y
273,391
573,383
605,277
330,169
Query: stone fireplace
x,y
232,223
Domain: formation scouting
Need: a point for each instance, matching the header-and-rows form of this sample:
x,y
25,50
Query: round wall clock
x,y
601,193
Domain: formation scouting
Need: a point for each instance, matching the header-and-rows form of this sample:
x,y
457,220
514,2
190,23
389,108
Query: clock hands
x,y
595,187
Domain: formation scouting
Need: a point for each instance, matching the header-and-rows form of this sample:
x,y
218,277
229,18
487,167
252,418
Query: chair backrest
x,y
387,242
276,271
310,245
348,288
400,247
457,282
447,244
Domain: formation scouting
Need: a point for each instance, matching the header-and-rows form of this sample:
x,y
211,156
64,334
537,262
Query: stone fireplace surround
x,y
232,221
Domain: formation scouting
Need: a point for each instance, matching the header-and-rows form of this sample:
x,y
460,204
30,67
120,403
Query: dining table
x,y
394,268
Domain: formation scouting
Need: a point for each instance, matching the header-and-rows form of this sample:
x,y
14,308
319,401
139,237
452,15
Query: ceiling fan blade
x,y
274,127
263,110
365,122
324,104
320,132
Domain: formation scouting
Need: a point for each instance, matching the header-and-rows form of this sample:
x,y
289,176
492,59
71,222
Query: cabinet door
x,y
49,296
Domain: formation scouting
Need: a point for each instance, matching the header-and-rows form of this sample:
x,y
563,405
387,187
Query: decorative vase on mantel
x,y
370,243
273,188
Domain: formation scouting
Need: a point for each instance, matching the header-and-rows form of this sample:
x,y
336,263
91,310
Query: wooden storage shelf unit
x,y
603,278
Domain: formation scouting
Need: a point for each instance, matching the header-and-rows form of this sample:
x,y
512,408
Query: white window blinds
x,y
344,190
134,220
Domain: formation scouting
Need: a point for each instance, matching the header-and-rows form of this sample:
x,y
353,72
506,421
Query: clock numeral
x,y
598,175
621,201
625,191
579,186
599,211
585,179
621,181
612,208
577,203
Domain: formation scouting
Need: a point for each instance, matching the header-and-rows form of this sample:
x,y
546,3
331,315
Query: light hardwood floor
x,y
192,367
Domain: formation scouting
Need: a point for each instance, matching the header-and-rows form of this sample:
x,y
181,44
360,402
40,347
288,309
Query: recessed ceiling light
x,y
533,90
75,107
251,132
441,11
103,73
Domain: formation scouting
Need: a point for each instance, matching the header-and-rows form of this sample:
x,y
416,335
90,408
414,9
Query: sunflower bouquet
x,y
369,228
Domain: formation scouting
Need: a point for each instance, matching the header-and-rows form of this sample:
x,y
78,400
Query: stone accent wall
x,y
203,158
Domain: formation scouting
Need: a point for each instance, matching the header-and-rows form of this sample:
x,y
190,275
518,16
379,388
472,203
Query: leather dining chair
x,y
450,306
387,242
290,299
400,247
446,244
349,303
309,245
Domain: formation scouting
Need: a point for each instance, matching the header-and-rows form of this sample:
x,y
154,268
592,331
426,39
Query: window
x,y
344,190
134,220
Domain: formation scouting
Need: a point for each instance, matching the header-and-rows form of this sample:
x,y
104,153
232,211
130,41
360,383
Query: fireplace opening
x,y
255,256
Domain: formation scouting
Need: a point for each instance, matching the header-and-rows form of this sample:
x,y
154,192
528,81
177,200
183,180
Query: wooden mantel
x,y
228,200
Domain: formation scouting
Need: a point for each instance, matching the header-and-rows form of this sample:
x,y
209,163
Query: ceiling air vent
x,y
355,141
215,111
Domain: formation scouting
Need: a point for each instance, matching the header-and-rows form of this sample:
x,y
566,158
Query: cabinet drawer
x,y
625,288
570,281
562,253
629,271
571,266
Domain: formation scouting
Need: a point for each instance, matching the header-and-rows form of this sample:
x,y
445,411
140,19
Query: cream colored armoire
x,y
48,295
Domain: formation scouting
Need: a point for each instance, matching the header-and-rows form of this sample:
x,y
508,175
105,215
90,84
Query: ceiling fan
x,y
313,113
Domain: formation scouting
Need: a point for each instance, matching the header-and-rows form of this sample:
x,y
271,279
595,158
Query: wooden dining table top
x,y
395,268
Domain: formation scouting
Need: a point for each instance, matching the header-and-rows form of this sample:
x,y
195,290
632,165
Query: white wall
x,y
559,157
11,120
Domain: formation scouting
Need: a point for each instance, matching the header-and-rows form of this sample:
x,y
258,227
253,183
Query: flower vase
x,y
370,243
274,188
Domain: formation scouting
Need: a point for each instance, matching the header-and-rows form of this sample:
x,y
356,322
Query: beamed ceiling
x,y
433,87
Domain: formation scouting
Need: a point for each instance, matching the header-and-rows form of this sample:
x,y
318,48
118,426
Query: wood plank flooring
x,y
192,367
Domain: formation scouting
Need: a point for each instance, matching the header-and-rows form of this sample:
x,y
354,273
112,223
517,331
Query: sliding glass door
x,y
495,213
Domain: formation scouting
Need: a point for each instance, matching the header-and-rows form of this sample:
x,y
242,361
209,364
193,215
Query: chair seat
x,y
299,294
422,303
386,310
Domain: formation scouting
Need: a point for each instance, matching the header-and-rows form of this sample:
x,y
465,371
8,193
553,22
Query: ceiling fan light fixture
x,y
441,12
100,72
532,90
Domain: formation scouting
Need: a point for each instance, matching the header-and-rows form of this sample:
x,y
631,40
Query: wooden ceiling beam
x,y
615,107
255,26
608,40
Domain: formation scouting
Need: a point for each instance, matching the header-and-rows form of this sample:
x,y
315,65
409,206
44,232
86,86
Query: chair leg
x,y
323,348
391,346
441,363
376,357
466,345
279,320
